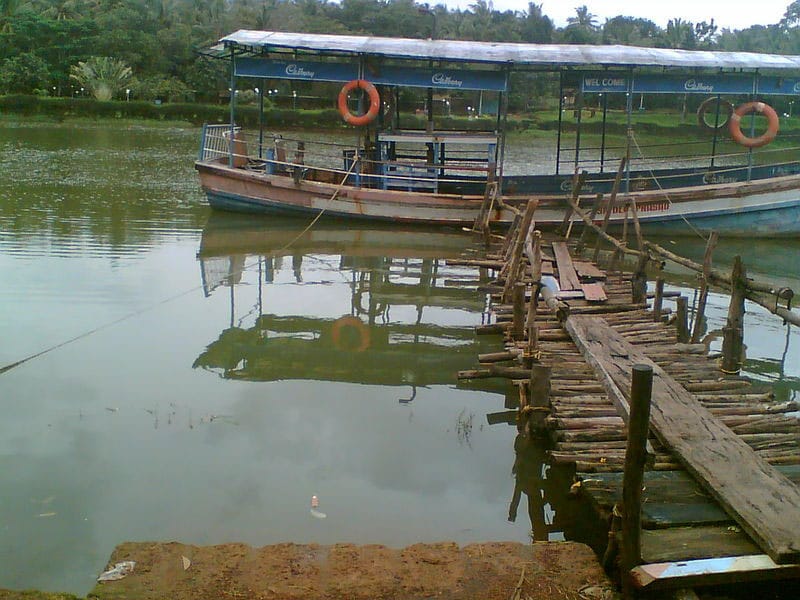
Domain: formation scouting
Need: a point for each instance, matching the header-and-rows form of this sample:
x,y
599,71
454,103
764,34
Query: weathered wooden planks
x,y
763,501
567,277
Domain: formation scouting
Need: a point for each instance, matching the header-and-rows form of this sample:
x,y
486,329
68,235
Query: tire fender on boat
x,y
374,102
734,124
725,112
348,321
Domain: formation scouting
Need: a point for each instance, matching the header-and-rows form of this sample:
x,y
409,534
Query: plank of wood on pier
x,y
763,501
588,271
567,277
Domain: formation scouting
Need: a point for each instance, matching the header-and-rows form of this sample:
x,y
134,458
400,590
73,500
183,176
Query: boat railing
x,y
215,142
767,162
316,160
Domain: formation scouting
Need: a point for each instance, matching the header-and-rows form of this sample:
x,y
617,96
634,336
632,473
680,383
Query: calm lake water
x,y
210,384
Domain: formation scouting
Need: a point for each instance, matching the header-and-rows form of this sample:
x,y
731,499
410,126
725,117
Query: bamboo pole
x,y
598,201
518,329
682,322
610,206
519,244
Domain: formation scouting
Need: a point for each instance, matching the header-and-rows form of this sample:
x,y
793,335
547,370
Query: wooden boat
x,y
439,177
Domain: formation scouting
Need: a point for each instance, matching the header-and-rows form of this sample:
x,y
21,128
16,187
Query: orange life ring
x,y
725,112
374,102
735,129
340,324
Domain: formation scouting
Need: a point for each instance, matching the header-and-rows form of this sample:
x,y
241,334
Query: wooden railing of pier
x,y
721,500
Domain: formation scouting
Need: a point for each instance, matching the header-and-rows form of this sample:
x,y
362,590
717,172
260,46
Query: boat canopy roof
x,y
544,56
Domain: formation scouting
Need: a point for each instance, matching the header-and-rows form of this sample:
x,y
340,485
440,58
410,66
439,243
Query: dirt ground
x,y
489,571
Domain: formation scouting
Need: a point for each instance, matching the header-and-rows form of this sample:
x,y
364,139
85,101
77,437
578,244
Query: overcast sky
x,y
733,15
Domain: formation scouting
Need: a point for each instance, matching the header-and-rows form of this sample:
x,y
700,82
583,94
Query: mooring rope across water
x,y
141,311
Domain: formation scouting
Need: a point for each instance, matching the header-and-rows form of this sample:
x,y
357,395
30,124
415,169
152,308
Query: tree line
x,y
149,49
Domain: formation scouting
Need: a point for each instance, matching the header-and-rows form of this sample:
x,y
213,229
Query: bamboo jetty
x,y
694,468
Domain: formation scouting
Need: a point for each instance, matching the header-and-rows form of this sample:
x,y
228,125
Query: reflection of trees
x,y
98,183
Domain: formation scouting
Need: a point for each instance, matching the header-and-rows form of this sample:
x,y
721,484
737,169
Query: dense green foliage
x,y
43,41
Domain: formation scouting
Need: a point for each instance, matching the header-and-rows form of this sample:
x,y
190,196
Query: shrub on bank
x,y
246,114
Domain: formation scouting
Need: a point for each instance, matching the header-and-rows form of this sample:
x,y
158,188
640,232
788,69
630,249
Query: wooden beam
x,y
635,460
762,500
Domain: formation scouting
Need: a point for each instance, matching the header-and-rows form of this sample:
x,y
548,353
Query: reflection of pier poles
x,y
527,470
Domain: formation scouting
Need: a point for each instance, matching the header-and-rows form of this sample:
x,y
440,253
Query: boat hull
x,y
761,208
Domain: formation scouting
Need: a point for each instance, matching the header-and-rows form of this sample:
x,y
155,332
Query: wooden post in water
x,y
682,316
518,328
699,314
539,387
639,281
658,299
633,477
733,332
534,253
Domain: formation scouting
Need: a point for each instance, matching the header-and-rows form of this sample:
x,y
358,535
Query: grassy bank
x,y
248,115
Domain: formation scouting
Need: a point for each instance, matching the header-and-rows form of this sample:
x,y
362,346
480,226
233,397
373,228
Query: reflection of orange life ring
x,y
374,102
725,112
745,109
358,326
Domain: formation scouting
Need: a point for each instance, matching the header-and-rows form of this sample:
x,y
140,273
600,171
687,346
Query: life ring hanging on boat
x,y
734,125
374,102
725,112
360,343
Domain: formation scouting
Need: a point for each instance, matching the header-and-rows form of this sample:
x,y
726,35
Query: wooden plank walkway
x,y
755,494
683,520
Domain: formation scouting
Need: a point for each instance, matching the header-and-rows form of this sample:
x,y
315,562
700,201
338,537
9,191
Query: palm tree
x,y
62,10
679,34
583,18
8,8
101,76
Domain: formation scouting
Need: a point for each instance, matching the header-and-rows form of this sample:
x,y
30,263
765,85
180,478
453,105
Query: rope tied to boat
x,y
661,188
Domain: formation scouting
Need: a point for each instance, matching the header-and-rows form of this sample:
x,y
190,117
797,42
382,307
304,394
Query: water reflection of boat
x,y
386,269
230,234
